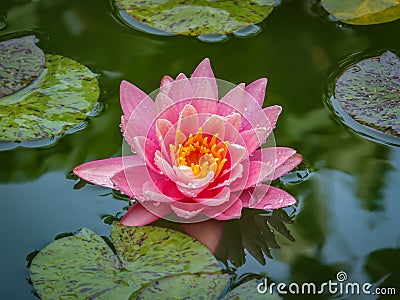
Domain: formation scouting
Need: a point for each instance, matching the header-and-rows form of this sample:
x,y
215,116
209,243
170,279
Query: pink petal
x,y
233,101
257,90
140,122
204,99
165,108
137,215
100,171
236,154
287,166
214,125
233,212
272,113
254,138
181,91
190,186
144,184
221,197
188,122
145,148
162,128
229,176
201,73
266,197
131,96
164,166
272,160
232,125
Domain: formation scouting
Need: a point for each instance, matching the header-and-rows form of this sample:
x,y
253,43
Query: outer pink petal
x,y
140,182
131,96
257,90
232,126
140,122
254,138
100,171
204,99
233,212
272,113
137,215
272,160
145,148
181,91
287,166
266,197
233,101
204,72
165,108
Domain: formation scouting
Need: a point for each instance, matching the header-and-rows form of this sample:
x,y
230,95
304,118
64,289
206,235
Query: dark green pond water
x,y
347,216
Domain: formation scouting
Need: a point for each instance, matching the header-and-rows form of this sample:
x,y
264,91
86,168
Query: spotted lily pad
x,y
369,92
56,103
363,12
21,62
85,267
188,17
191,286
251,290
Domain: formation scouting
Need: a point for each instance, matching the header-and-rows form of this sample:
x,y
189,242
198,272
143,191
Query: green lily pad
x,y
85,267
51,106
369,92
21,63
363,12
197,286
188,17
249,291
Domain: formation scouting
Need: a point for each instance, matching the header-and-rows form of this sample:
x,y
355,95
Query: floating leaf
x,y
58,102
21,62
248,291
363,12
84,266
197,286
369,92
197,17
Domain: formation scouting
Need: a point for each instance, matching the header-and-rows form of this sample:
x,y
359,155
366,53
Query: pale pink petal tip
x,y
130,97
100,171
256,89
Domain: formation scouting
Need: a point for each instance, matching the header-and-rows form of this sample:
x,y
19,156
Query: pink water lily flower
x,y
195,156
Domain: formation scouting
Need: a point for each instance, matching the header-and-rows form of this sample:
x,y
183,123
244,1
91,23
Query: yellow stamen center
x,y
202,154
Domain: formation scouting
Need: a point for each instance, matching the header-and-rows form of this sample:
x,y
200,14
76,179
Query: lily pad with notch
x,y
86,267
369,92
52,105
21,63
363,12
195,18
